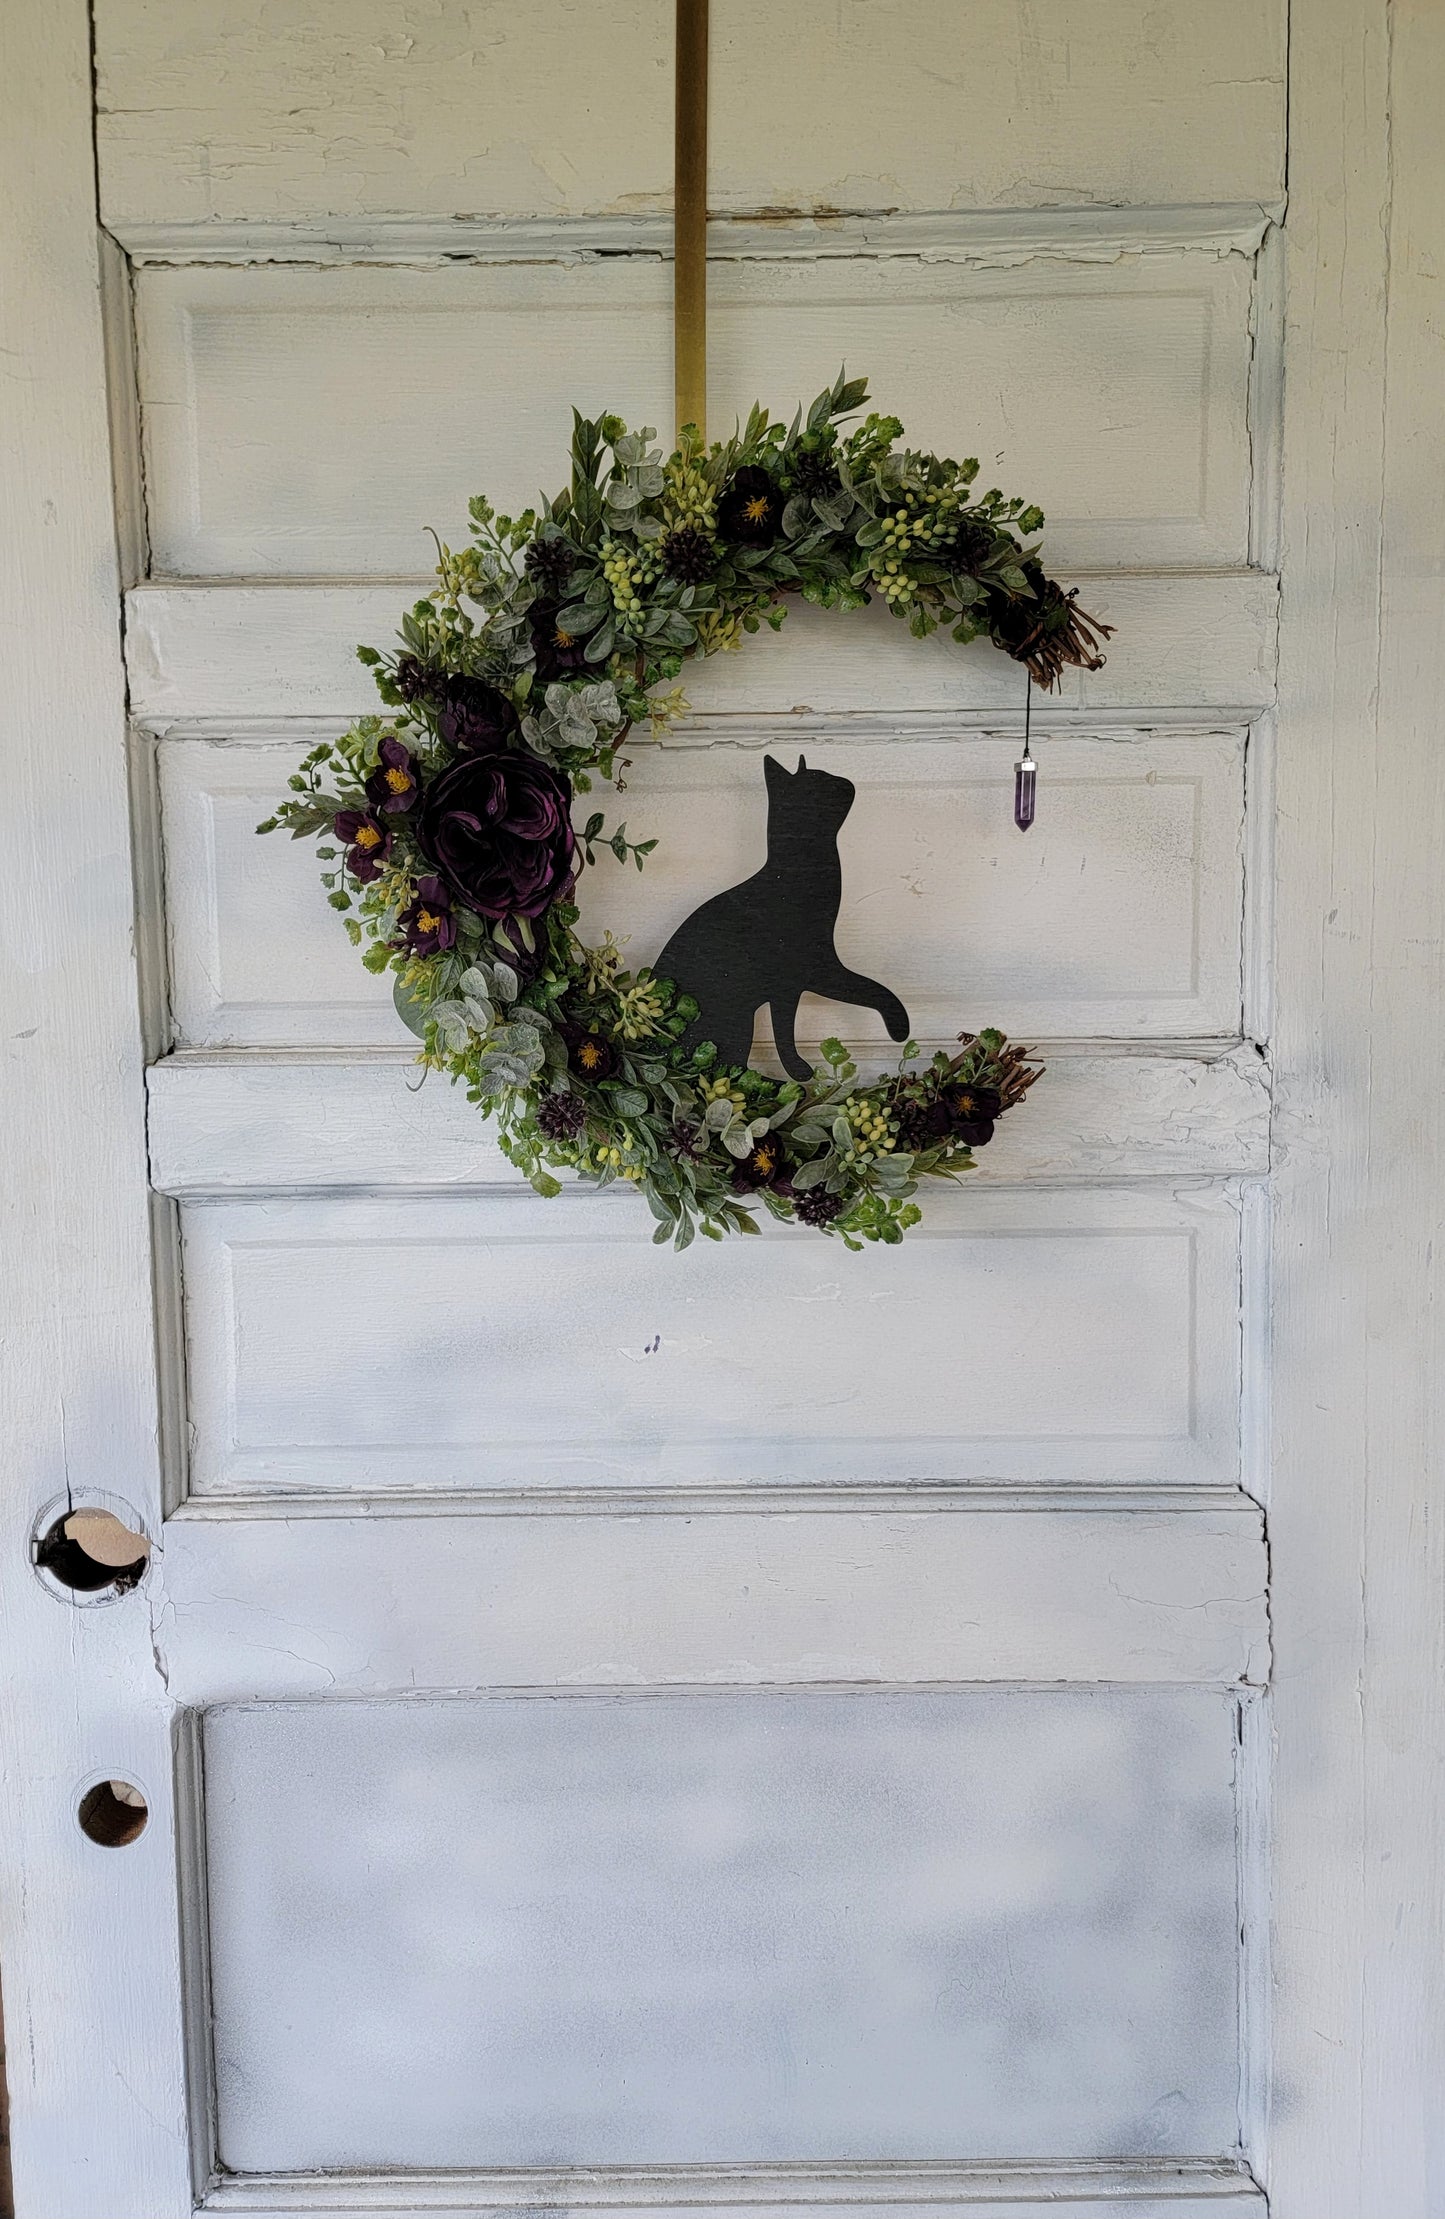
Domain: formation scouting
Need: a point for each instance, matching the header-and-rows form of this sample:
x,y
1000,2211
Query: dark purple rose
x,y
752,507
557,652
588,1054
473,717
393,784
497,828
428,922
971,1113
368,842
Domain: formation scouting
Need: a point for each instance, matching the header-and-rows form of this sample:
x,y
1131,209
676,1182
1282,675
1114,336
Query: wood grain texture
x,y
1357,2124
291,1604
98,2127
1357,1387
445,109
230,651
981,238
1120,916
311,422
225,1124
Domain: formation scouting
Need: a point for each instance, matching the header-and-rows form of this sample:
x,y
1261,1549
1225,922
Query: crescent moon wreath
x,y
451,851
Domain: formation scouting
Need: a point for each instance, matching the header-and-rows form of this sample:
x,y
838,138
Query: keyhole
x,y
90,1552
112,1814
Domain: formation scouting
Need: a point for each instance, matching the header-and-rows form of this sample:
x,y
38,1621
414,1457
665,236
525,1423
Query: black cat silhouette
x,y
771,939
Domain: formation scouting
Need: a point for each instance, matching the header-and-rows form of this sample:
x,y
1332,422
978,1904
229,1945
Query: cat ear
x,y
802,762
775,774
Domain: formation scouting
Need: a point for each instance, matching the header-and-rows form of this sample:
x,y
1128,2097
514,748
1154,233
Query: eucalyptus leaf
x,y
413,1013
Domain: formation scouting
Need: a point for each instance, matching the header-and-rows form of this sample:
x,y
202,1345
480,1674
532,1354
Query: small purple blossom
x,y
393,785
557,652
428,923
368,842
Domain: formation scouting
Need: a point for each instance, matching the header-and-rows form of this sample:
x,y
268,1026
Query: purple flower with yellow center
x,y
428,923
762,1166
557,651
368,842
498,828
751,509
971,1111
588,1054
393,785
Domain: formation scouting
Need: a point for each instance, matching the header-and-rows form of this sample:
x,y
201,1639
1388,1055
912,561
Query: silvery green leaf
x,y
497,1070
478,1014
649,479
756,1129
517,1040
780,1117
718,1115
630,1102
624,496
810,1174
578,617
796,515
842,1133
507,982
412,1013
676,1092
736,1141
685,1233
630,449
475,980
648,527
810,1136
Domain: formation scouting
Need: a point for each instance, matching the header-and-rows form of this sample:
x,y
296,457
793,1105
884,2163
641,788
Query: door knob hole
x,y
91,1552
112,1814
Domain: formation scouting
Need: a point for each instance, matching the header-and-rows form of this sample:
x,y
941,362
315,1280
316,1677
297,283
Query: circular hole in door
x,y
112,1814
92,1552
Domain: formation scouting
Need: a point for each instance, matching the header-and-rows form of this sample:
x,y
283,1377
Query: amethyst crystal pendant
x,y
1025,771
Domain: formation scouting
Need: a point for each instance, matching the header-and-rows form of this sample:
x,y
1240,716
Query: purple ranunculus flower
x,y
473,717
428,922
368,842
393,785
498,830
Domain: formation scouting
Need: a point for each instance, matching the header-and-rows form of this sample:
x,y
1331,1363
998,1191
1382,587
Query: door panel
x,y
1063,1338
720,1929
1125,922
311,421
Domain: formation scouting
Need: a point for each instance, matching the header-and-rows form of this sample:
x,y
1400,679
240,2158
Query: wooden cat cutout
x,y
771,938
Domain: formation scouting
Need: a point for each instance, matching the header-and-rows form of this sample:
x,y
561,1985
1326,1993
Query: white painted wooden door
x,y
767,1727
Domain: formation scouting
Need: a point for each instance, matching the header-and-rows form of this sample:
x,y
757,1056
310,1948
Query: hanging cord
x,y
1025,769
689,219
